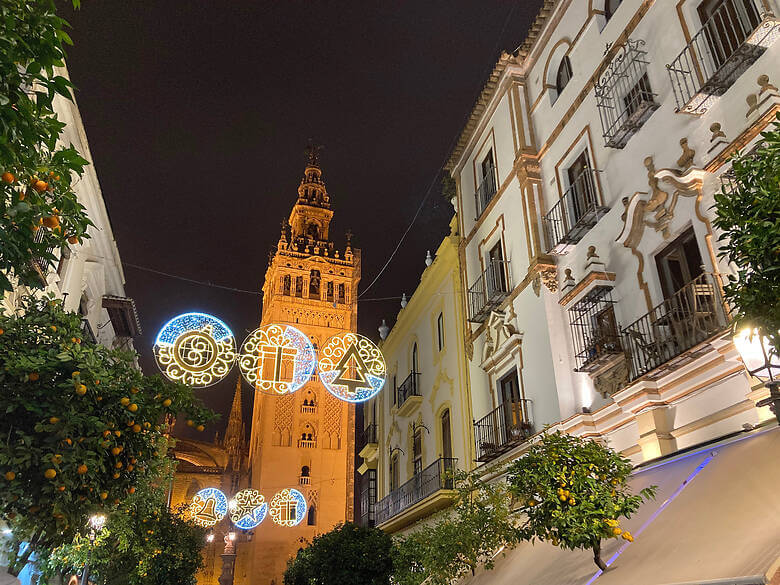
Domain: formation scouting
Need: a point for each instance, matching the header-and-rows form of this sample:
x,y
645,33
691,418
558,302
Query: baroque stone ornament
x,y
288,507
196,349
612,380
248,509
352,367
549,278
208,507
277,359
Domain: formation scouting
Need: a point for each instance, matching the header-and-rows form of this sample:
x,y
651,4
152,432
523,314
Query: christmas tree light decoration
x,y
248,509
196,349
277,359
352,367
288,507
208,507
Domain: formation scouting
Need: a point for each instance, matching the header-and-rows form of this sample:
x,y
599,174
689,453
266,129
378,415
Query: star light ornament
x,y
288,507
208,507
196,349
248,509
352,367
277,359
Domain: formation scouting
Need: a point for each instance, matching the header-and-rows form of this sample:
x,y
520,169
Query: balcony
x,y
486,190
408,394
594,330
304,480
369,445
502,429
574,214
489,290
307,444
729,42
660,340
404,505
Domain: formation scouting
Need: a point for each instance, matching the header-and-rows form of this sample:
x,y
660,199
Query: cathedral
x,y
304,440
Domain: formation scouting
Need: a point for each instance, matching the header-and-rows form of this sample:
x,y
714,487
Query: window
x,y
395,479
440,331
727,23
305,471
446,435
314,284
610,6
329,291
415,360
679,263
564,74
487,182
313,231
579,186
495,273
299,286
594,329
311,519
286,285
417,450
342,293
395,389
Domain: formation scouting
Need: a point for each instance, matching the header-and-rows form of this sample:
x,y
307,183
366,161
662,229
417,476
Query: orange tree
x,y
573,493
39,212
80,426
143,542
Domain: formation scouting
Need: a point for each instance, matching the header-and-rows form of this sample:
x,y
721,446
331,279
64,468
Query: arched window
x,y
299,286
286,285
314,284
609,7
313,231
395,472
415,360
312,516
564,74
305,471
446,435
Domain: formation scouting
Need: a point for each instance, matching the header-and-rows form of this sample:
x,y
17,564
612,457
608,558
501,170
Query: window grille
x,y
623,95
594,329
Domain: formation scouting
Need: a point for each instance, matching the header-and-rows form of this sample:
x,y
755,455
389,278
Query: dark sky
x,y
198,113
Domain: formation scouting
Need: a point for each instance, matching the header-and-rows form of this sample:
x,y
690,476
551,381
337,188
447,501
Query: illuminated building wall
x,y
304,440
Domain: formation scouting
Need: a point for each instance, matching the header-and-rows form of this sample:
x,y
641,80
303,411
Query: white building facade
x,y
89,275
585,180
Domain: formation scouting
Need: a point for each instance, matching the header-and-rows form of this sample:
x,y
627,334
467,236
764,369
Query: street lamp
x,y
96,524
762,361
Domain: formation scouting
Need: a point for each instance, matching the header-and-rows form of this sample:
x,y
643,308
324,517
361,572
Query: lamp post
x,y
96,524
761,361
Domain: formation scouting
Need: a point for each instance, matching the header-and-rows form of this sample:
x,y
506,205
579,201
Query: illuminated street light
x,y
762,362
96,524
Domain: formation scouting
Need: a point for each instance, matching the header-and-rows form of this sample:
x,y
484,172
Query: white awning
x,y
715,520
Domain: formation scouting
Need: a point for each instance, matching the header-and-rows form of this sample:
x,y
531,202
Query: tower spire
x,y
234,433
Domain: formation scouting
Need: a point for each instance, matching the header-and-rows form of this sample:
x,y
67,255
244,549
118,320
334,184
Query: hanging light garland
x,y
208,507
277,359
352,367
248,509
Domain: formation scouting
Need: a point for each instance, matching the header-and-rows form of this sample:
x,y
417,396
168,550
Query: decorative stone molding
x,y
591,280
686,158
544,269
612,379
767,94
718,140
501,336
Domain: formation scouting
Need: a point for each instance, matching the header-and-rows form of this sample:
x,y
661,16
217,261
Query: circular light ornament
x,y
248,509
352,367
196,349
208,507
288,507
277,359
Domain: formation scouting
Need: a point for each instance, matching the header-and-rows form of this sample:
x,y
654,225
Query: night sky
x,y
198,113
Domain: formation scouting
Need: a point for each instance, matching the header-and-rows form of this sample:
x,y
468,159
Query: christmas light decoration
x,y
196,349
352,367
208,507
277,359
248,509
288,507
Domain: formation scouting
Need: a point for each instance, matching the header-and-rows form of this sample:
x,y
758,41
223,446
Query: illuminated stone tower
x,y
305,440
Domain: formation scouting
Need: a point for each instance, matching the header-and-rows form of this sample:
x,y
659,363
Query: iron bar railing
x,y
720,51
689,317
369,435
486,190
487,292
574,214
501,429
409,387
437,476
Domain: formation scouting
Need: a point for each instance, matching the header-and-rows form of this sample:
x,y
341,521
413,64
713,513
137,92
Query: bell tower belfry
x,y
305,440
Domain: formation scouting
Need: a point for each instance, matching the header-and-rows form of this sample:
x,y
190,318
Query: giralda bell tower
x,y
305,440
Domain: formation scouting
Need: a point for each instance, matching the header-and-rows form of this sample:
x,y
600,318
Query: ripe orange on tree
x,y
8,177
50,473
33,376
40,186
10,475
82,469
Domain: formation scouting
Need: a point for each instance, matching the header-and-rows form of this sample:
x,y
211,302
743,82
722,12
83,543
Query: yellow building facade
x,y
305,440
416,431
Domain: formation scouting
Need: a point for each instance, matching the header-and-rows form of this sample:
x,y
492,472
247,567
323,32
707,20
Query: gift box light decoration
x,y
248,509
196,349
208,507
277,359
352,367
288,507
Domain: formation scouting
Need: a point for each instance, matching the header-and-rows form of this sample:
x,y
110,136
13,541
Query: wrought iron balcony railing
x,y
437,476
369,435
729,41
486,190
487,292
574,214
501,429
408,388
692,315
